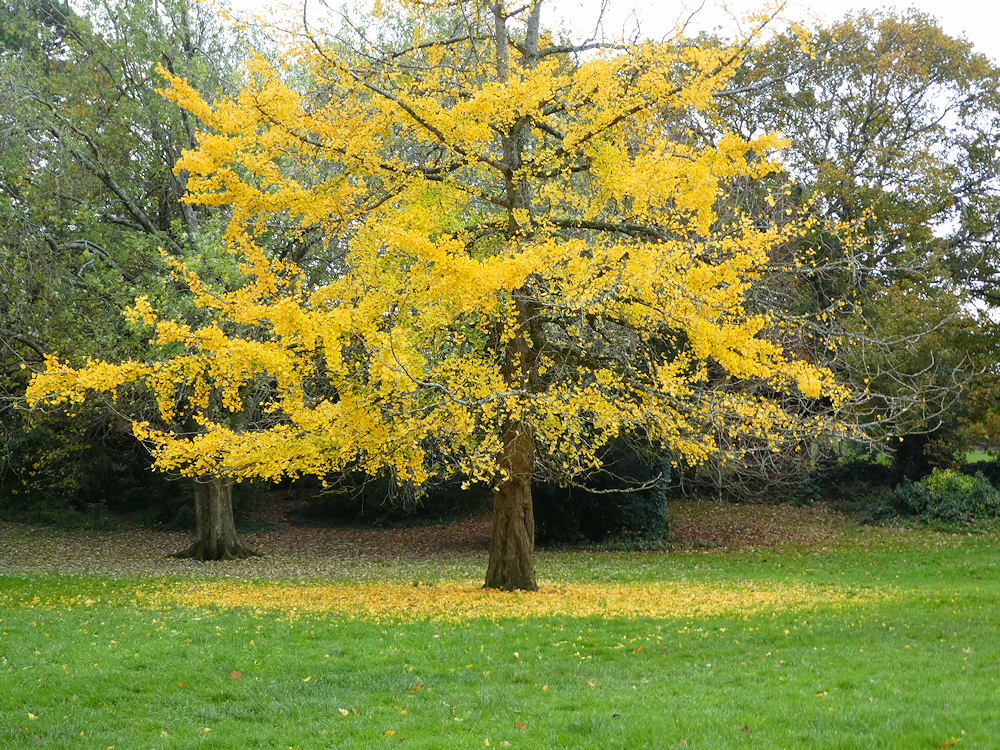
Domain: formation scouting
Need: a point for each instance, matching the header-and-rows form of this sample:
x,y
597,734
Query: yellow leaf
x,y
31,716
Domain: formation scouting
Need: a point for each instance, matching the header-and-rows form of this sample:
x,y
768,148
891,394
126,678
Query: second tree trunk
x,y
215,524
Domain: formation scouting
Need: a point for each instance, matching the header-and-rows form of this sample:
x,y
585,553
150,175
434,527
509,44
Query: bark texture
x,y
512,548
215,526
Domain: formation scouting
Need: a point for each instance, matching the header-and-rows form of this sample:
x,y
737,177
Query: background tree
x,y
89,195
536,266
893,127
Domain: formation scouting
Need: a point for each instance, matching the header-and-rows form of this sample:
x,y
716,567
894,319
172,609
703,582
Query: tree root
x,y
204,551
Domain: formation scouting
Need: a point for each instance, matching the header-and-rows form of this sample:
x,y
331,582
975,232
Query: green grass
x,y
972,457
917,668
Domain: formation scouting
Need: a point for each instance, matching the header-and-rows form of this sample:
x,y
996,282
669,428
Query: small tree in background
x,y
88,195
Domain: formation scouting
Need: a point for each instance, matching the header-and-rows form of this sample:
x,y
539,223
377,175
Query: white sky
x,y
976,20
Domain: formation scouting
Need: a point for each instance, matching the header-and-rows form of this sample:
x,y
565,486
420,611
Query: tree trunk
x,y
215,526
512,548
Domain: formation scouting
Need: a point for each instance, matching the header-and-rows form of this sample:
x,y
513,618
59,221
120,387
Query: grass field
x,y
849,639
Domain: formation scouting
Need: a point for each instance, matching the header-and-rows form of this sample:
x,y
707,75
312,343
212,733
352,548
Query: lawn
x,y
843,638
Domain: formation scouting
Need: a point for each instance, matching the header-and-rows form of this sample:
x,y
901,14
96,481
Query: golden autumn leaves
x,y
559,208
461,601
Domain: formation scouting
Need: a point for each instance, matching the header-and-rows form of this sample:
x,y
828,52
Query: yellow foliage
x,y
538,242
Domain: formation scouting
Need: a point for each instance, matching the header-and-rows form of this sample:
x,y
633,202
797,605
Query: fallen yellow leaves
x,y
467,600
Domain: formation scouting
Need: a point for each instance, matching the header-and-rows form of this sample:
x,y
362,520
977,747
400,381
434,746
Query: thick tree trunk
x,y
215,526
512,548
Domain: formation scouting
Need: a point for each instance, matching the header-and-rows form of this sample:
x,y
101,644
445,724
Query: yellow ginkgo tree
x,y
542,252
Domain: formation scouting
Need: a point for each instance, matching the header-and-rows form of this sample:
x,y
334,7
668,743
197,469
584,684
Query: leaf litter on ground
x,y
305,552
366,565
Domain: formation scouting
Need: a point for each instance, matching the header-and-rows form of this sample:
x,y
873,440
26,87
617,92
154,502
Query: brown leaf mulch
x,y
294,551
709,523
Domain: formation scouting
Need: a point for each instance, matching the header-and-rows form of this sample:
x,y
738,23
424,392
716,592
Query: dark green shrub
x,y
86,473
989,469
854,471
904,501
945,497
357,499
959,498
606,507
53,472
857,485
571,514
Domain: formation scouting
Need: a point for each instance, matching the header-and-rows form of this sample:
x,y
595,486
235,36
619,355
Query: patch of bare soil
x,y
709,523
294,550
289,551
704,523
414,542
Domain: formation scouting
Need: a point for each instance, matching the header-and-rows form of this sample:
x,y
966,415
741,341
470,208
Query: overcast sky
x,y
976,20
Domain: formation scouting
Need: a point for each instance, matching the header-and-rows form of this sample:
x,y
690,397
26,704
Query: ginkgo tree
x,y
535,264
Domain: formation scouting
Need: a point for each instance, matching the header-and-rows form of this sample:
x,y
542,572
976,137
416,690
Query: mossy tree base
x,y
512,547
215,524
204,551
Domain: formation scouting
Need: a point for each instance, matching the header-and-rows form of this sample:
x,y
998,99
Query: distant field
x,y
974,456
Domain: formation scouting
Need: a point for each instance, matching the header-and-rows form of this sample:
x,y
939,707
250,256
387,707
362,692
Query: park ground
x,y
764,626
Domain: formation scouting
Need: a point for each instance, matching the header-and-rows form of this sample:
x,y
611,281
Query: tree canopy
x,y
895,130
536,260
